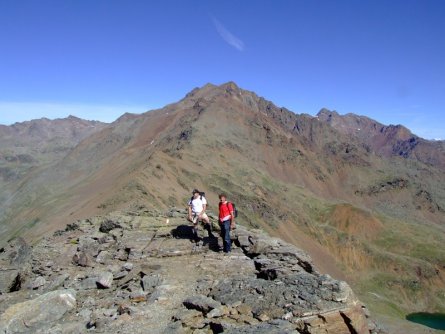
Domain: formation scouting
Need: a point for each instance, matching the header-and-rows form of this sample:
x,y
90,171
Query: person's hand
x,y
190,218
232,225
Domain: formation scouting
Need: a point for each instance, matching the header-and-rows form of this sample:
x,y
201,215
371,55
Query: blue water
x,y
432,320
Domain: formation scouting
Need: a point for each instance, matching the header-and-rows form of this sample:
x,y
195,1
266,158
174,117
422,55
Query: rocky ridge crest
x,y
138,272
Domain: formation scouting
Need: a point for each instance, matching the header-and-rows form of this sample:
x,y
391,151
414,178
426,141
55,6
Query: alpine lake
x,y
432,320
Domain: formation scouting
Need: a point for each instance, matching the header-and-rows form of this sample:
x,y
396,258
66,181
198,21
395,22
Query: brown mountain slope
x,y
288,173
27,147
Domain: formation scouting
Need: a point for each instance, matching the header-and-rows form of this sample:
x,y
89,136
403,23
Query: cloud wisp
x,y
227,36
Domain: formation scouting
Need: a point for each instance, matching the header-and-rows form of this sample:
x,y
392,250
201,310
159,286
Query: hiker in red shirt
x,y
226,221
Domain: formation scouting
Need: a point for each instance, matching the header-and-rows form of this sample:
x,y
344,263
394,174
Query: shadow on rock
x,y
183,232
186,232
212,243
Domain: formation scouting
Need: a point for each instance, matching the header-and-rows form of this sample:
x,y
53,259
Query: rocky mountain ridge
x,y
387,140
139,272
376,221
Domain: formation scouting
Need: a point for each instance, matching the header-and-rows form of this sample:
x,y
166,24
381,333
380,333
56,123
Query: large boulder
x,y
18,251
37,313
10,280
201,303
105,280
150,282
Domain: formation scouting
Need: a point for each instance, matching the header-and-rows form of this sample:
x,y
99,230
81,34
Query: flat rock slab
x,y
154,246
227,265
136,239
164,231
169,247
175,247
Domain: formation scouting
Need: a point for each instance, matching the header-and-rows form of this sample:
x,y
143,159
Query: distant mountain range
x,y
366,200
387,141
39,142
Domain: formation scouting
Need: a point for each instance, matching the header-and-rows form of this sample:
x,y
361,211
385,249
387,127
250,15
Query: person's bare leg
x,y
195,228
207,225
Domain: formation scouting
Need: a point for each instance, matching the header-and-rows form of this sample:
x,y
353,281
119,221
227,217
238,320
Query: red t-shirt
x,y
225,211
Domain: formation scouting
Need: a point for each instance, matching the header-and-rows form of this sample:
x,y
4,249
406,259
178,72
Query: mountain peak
x,y
127,116
212,89
325,113
230,86
210,92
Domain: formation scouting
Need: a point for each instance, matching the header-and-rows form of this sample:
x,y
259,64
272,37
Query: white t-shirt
x,y
198,204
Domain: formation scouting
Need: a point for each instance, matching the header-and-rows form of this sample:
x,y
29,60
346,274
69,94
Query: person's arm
x,y
232,214
190,212
204,206
232,222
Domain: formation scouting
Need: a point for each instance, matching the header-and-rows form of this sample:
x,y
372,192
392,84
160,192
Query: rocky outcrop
x,y
13,262
384,186
424,200
138,272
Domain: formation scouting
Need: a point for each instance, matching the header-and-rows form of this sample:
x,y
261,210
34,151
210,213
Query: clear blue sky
x,y
99,59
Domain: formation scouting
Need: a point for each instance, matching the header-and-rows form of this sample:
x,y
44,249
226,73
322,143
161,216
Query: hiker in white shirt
x,y
196,209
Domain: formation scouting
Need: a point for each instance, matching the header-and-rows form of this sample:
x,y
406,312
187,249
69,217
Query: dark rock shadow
x,y
182,232
212,243
186,232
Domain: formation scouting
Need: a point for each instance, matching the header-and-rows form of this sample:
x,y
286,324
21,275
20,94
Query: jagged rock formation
x,y
138,272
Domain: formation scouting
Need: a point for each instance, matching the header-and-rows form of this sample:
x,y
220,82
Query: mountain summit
x,y
364,199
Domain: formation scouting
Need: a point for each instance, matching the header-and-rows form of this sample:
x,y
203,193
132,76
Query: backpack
x,y
235,211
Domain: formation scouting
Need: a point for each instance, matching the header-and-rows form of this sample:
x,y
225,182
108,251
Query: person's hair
x,y
222,195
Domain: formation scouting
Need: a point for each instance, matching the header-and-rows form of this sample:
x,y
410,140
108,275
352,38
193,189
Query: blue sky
x,y
99,59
